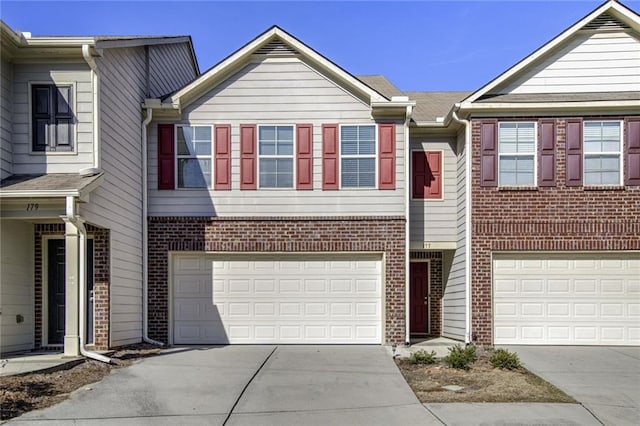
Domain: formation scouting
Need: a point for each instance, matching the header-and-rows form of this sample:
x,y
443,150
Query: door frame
x,y
428,262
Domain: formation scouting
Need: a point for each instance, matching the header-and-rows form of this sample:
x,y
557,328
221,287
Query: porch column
x,y
71,332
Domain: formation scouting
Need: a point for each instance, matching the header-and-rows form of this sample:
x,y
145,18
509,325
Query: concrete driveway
x,y
248,385
606,380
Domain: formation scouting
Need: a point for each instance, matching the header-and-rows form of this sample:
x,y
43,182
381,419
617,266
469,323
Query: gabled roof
x,y
612,8
430,106
273,41
381,84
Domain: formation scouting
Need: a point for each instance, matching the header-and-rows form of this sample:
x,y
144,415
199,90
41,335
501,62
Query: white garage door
x,y
563,299
280,299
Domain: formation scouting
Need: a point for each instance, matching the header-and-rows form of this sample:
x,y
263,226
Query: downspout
x,y
467,218
145,236
407,245
82,284
95,81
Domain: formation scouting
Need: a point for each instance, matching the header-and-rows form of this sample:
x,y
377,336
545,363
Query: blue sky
x,y
418,45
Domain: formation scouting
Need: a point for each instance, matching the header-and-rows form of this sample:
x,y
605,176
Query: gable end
x,y
606,22
276,47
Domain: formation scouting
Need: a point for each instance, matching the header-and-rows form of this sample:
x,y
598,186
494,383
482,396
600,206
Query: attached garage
x,y
294,299
567,299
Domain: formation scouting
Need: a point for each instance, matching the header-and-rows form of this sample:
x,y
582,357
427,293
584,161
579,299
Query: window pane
x,y
516,170
202,133
285,133
349,133
358,172
276,173
285,147
349,147
267,148
267,133
602,136
602,170
516,138
194,173
185,141
367,148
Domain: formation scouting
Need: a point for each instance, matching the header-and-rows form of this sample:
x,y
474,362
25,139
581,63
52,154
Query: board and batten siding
x,y
454,310
170,67
77,74
117,203
276,93
432,220
6,118
589,62
16,291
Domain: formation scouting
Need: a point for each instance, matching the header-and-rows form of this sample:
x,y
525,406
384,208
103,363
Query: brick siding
x,y
556,218
278,234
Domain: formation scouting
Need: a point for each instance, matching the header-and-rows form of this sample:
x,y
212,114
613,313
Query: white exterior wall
x,y
77,74
6,118
16,291
590,62
276,93
170,67
433,220
454,298
117,203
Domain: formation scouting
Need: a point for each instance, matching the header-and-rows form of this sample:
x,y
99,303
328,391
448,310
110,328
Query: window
x,y
602,145
358,156
194,156
427,175
275,150
51,118
516,153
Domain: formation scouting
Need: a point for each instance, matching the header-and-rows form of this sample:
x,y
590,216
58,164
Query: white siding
x,y
6,117
590,62
80,76
276,93
433,220
170,67
117,203
454,298
16,291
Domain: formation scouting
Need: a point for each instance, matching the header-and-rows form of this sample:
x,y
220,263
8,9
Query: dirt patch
x,y
20,394
481,383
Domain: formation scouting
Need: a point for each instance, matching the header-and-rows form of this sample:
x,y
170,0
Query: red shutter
x,y
248,156
489,153
222,155
632,151
574,152
434,175
304,156
419,174
330,157
387,156
166,157
547,153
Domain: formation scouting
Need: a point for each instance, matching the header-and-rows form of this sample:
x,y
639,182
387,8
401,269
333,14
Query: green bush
x,y
502,358
422,357
460,357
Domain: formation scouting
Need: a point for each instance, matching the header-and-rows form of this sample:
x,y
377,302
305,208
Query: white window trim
x,y
426,200
517,154
375,157
292,156
619,153
74,133
204,157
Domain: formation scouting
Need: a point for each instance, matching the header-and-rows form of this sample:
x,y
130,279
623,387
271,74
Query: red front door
x,y
418,298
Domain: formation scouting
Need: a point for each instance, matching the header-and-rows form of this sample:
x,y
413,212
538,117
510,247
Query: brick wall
x,y
436,294
278,234
556,218
100,284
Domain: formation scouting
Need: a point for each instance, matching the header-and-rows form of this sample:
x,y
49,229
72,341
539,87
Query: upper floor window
x,y
516,153
602,148
275,151
358,156
194,156
51,118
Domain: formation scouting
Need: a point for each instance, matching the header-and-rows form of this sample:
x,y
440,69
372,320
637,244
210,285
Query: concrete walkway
x,y
606,380
35,362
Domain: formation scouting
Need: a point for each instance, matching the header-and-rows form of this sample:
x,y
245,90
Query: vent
x,y
421,255
276,47
606,22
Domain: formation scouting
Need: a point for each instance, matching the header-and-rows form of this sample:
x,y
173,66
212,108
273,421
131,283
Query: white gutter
x,y
95,81
82,266
145,236
407,242
549,106
467,182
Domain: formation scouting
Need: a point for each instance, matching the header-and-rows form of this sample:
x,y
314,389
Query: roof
x,y
431,105
381,84
560,97
49,185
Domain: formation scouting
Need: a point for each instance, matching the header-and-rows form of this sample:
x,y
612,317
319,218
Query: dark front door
x,y
419,298
55,291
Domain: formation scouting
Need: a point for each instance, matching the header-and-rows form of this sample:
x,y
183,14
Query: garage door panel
x,y
573,299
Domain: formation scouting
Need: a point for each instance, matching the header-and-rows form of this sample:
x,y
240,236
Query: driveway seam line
x,y
592,413
424,405
246,386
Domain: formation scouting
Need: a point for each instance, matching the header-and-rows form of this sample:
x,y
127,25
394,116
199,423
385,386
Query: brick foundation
x,y
556,218
280,234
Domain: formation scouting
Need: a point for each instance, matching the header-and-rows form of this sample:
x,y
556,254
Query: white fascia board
x,y
621,12
59,41
41,194
539,106
134,42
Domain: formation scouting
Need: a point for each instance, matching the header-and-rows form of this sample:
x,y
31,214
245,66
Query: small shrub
x,y
502,358
460,357
422,357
